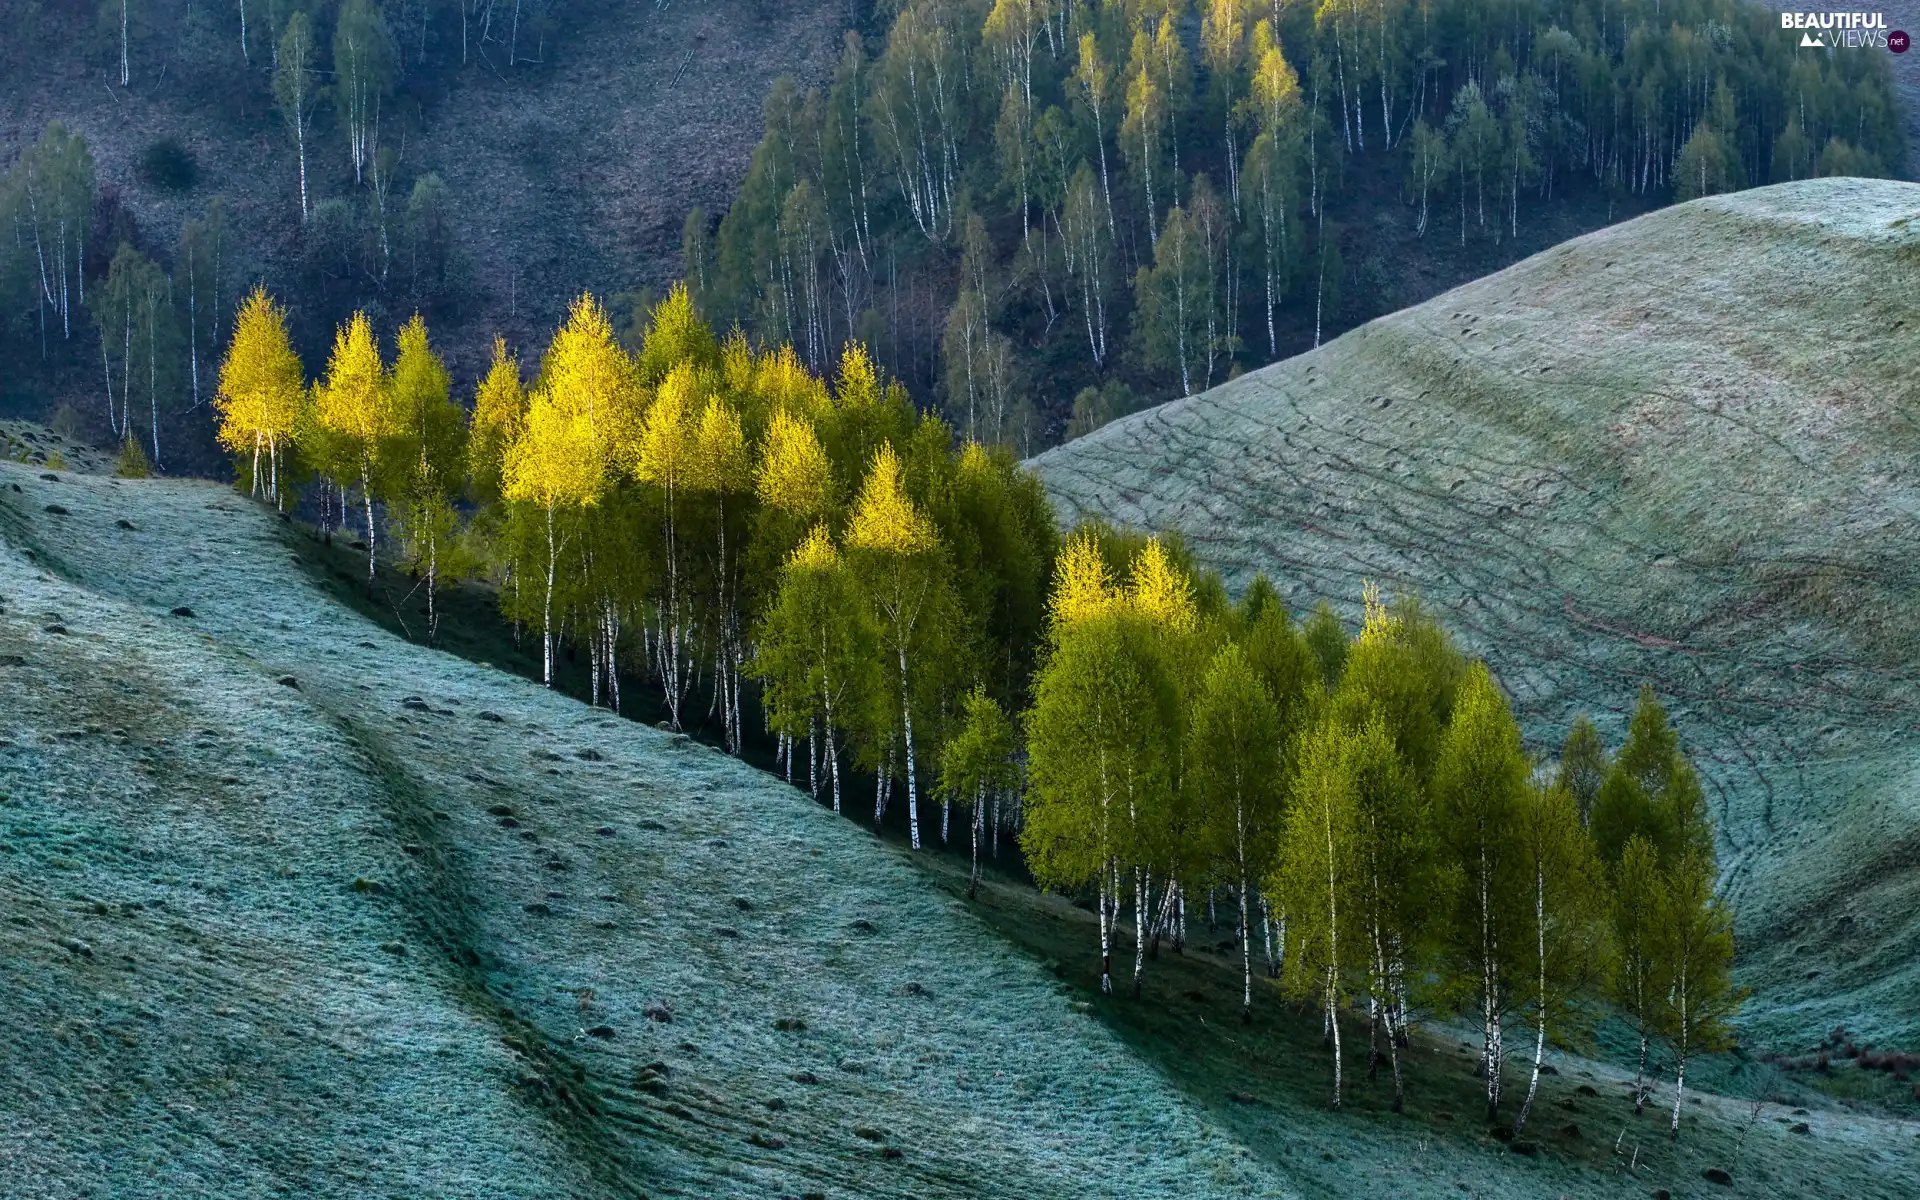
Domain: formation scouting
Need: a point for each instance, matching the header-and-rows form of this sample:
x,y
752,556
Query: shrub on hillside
x,y
168,165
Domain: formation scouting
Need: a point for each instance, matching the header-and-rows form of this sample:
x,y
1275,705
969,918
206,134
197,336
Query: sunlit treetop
x,y
859,383
354,399
555,462
1160,591
884,519
666,448
720,461
1082,588
786,383
795,475
816,553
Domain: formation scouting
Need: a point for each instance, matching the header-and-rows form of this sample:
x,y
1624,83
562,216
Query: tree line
x,y
1371,811
1013,198
890,599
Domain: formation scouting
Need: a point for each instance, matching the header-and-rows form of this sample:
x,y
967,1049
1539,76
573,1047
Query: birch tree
x,y
720,470
1094,80
262,392
1315,872
665,460
353,404
499,416
365,67
977,767
815,656
904,575
1479,784
1639,975
296,93
429,452
1565,957
1101,739
1234,739
1694,939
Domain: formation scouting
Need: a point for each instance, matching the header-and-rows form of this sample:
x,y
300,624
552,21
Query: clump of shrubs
x,y
169,165
1840,1044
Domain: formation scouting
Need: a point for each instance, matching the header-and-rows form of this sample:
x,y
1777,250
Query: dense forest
x,y
817,561
1019,201
1039,214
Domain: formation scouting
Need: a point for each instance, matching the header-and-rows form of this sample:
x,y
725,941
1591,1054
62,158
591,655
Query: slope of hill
x,y
1680,450
292,905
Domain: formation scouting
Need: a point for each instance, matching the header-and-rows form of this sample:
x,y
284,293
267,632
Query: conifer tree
x,y
262,395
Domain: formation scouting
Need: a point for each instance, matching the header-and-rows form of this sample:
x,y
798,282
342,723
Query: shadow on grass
x,y
1268,1082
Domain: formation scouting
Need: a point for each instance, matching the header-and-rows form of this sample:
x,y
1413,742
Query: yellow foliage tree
x,y
353,408
1081,586
1160,591
794,475
262,392
499,414
666,457
556,462
897,547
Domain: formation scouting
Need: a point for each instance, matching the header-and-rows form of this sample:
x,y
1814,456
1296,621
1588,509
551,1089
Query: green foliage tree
x,y
1234,738
1565,956
978,766
815,655
1318,869
1693,938
428,452
1480,783
1583,766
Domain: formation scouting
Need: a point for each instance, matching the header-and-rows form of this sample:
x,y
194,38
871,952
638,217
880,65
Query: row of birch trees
x,y
1385,842
700,514
816,560
1005,194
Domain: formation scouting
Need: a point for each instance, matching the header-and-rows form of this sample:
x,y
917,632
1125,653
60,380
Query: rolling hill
x,y
290,905
1680,449
294,906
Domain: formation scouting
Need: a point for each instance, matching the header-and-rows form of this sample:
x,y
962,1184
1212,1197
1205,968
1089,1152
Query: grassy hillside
x,y
1679,449
270,925
292,905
